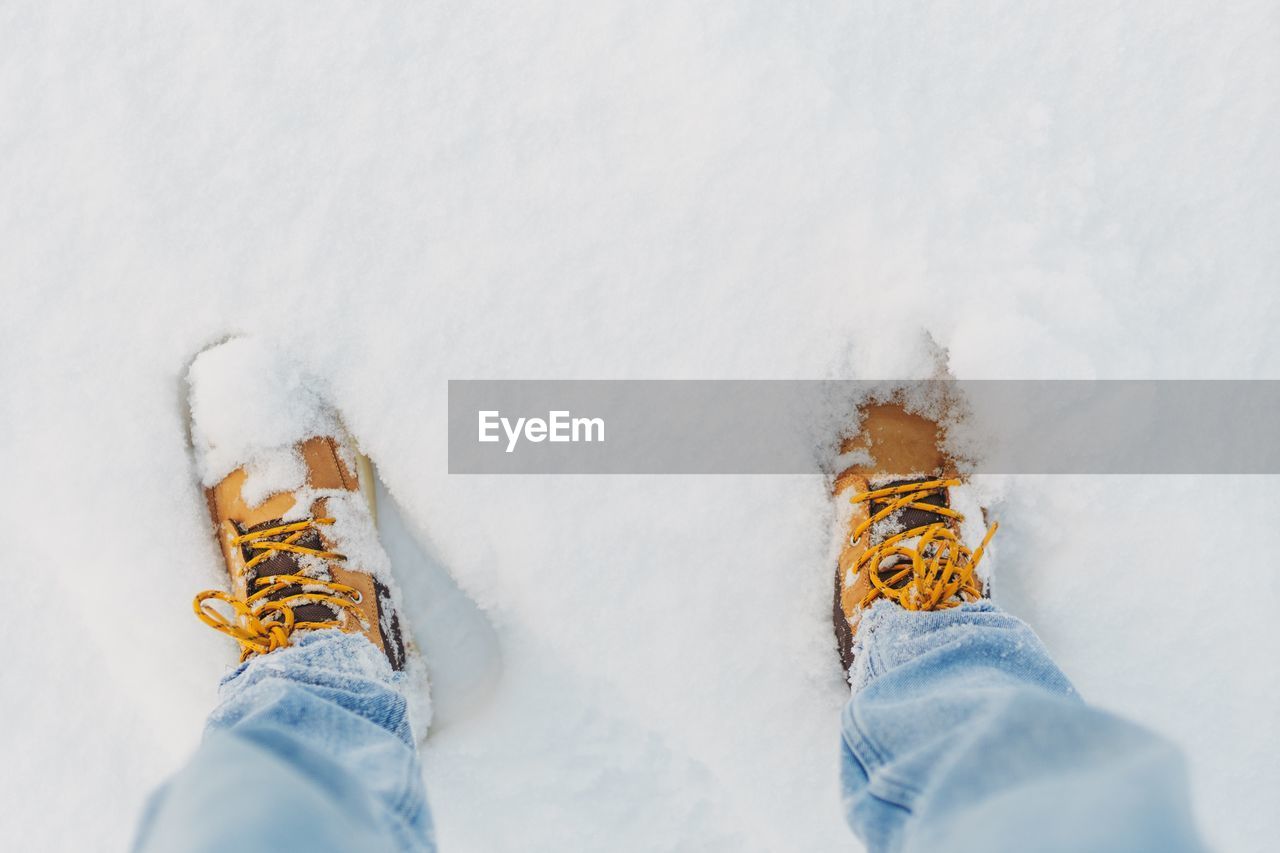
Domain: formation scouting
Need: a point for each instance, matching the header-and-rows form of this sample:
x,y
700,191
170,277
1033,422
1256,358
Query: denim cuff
x,y
889,635
331,651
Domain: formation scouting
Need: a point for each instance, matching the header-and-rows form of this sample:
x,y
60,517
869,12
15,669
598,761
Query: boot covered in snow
x,y
283,489
902,510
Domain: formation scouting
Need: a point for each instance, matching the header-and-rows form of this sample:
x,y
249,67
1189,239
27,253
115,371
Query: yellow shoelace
x,y
941,569
261,625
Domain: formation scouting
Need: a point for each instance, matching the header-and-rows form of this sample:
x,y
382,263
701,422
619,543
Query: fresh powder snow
x,y
402,194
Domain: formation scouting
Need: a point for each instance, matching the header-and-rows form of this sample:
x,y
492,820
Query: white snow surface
x,y
251,403
407,193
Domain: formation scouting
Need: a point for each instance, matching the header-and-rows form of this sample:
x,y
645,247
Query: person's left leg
x,y
311,749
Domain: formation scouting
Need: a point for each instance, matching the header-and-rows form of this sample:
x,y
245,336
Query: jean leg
x,y
310,749
962,735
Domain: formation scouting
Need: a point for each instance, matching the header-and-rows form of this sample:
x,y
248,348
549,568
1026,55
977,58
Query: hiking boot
x,y
297,535
902,509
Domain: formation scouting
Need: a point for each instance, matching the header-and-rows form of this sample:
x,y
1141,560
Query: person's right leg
x,y
962,735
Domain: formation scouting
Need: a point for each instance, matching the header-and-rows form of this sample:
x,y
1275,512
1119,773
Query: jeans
x,y
961,735
310,749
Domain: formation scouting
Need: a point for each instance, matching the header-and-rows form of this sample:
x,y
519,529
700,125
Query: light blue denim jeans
x,y
309,750
961,735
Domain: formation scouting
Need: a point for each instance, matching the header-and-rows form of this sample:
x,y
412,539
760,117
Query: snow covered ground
x,y
407,193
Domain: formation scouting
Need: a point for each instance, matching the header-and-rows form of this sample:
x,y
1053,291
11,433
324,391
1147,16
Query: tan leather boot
x,y
903,508
303,559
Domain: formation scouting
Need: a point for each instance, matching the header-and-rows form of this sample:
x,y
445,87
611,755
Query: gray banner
x,y
793,427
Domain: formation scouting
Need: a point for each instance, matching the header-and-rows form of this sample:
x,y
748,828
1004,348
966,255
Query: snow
x,y
269,473
402,194
251,403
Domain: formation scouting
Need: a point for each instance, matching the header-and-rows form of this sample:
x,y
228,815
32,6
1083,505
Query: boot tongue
x,y
907,518
288,563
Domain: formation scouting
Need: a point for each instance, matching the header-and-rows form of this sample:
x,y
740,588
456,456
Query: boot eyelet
x,y
359,597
